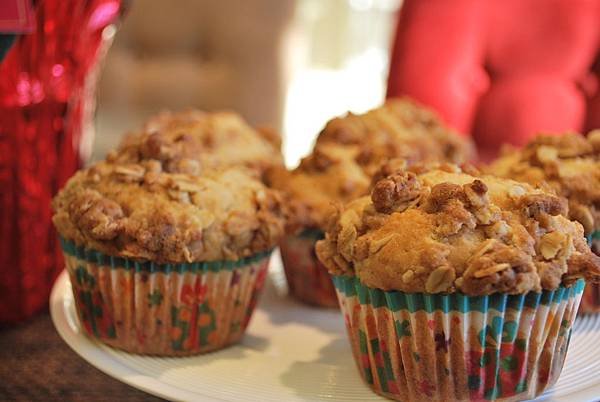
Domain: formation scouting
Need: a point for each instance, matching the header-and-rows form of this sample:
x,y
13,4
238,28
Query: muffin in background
x,y
329,173
185,141
457,286
164,259
400,128
347,153
569,165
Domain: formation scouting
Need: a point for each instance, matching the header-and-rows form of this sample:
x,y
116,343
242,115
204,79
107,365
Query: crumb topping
x,y
435,228
185,188
187,142
567,164
350,149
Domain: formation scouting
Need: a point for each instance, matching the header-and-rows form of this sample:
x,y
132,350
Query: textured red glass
x,y
47,83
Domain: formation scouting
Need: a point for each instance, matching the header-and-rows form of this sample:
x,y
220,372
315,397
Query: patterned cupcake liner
x,y
590,302
164,309
308,280
418,347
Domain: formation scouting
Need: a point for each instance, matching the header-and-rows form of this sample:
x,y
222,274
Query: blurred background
x,y
498,71
286,64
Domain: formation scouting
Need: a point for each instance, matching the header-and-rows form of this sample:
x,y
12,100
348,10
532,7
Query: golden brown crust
x,y
185,188
189,141
568,164
329,174
443,230
401,128
350,149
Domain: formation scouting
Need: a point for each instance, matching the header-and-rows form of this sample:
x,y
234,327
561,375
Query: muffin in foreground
x,y
569,165
166,263
457,286
347,153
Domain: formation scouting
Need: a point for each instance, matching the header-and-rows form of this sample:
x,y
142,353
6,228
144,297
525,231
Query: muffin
x,y
184,141
457,286
569,165
166,262
400,128
329,173
347,153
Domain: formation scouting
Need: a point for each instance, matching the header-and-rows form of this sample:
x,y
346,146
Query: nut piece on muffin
x,y
185,142
167,242
441,230
569,164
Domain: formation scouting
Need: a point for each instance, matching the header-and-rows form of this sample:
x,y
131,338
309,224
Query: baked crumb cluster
x,y
350,149
436,228
568,164
174,193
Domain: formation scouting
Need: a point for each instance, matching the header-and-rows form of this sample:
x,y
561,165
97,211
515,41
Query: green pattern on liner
x,y
96,257
396,301
312,233
593,236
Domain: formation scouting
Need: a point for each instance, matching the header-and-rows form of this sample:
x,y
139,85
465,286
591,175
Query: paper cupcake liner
x,y
308,280
418,347
164,309
590,302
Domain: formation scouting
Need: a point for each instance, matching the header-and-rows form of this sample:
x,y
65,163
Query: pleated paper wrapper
x,y
308,280
590,302
164,309
418,347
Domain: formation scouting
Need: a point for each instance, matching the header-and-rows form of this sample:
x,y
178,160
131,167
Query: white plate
x,y
290,353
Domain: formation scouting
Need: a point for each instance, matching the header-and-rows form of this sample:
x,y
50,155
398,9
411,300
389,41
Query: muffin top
x,y
142,211
205,139
350,149
568,164
400,128
329,174
438,229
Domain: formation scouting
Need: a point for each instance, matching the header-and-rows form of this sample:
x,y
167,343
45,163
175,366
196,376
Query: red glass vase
x,y
47,85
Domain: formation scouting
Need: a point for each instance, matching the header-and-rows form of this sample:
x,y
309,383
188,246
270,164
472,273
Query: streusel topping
x,y
401,128
329,174
438,229
569,164
140,210
187,142
350,149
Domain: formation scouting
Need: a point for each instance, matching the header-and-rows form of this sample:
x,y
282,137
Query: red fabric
x,y
501,70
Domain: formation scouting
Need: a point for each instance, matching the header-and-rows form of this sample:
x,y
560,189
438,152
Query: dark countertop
x,y
36,365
